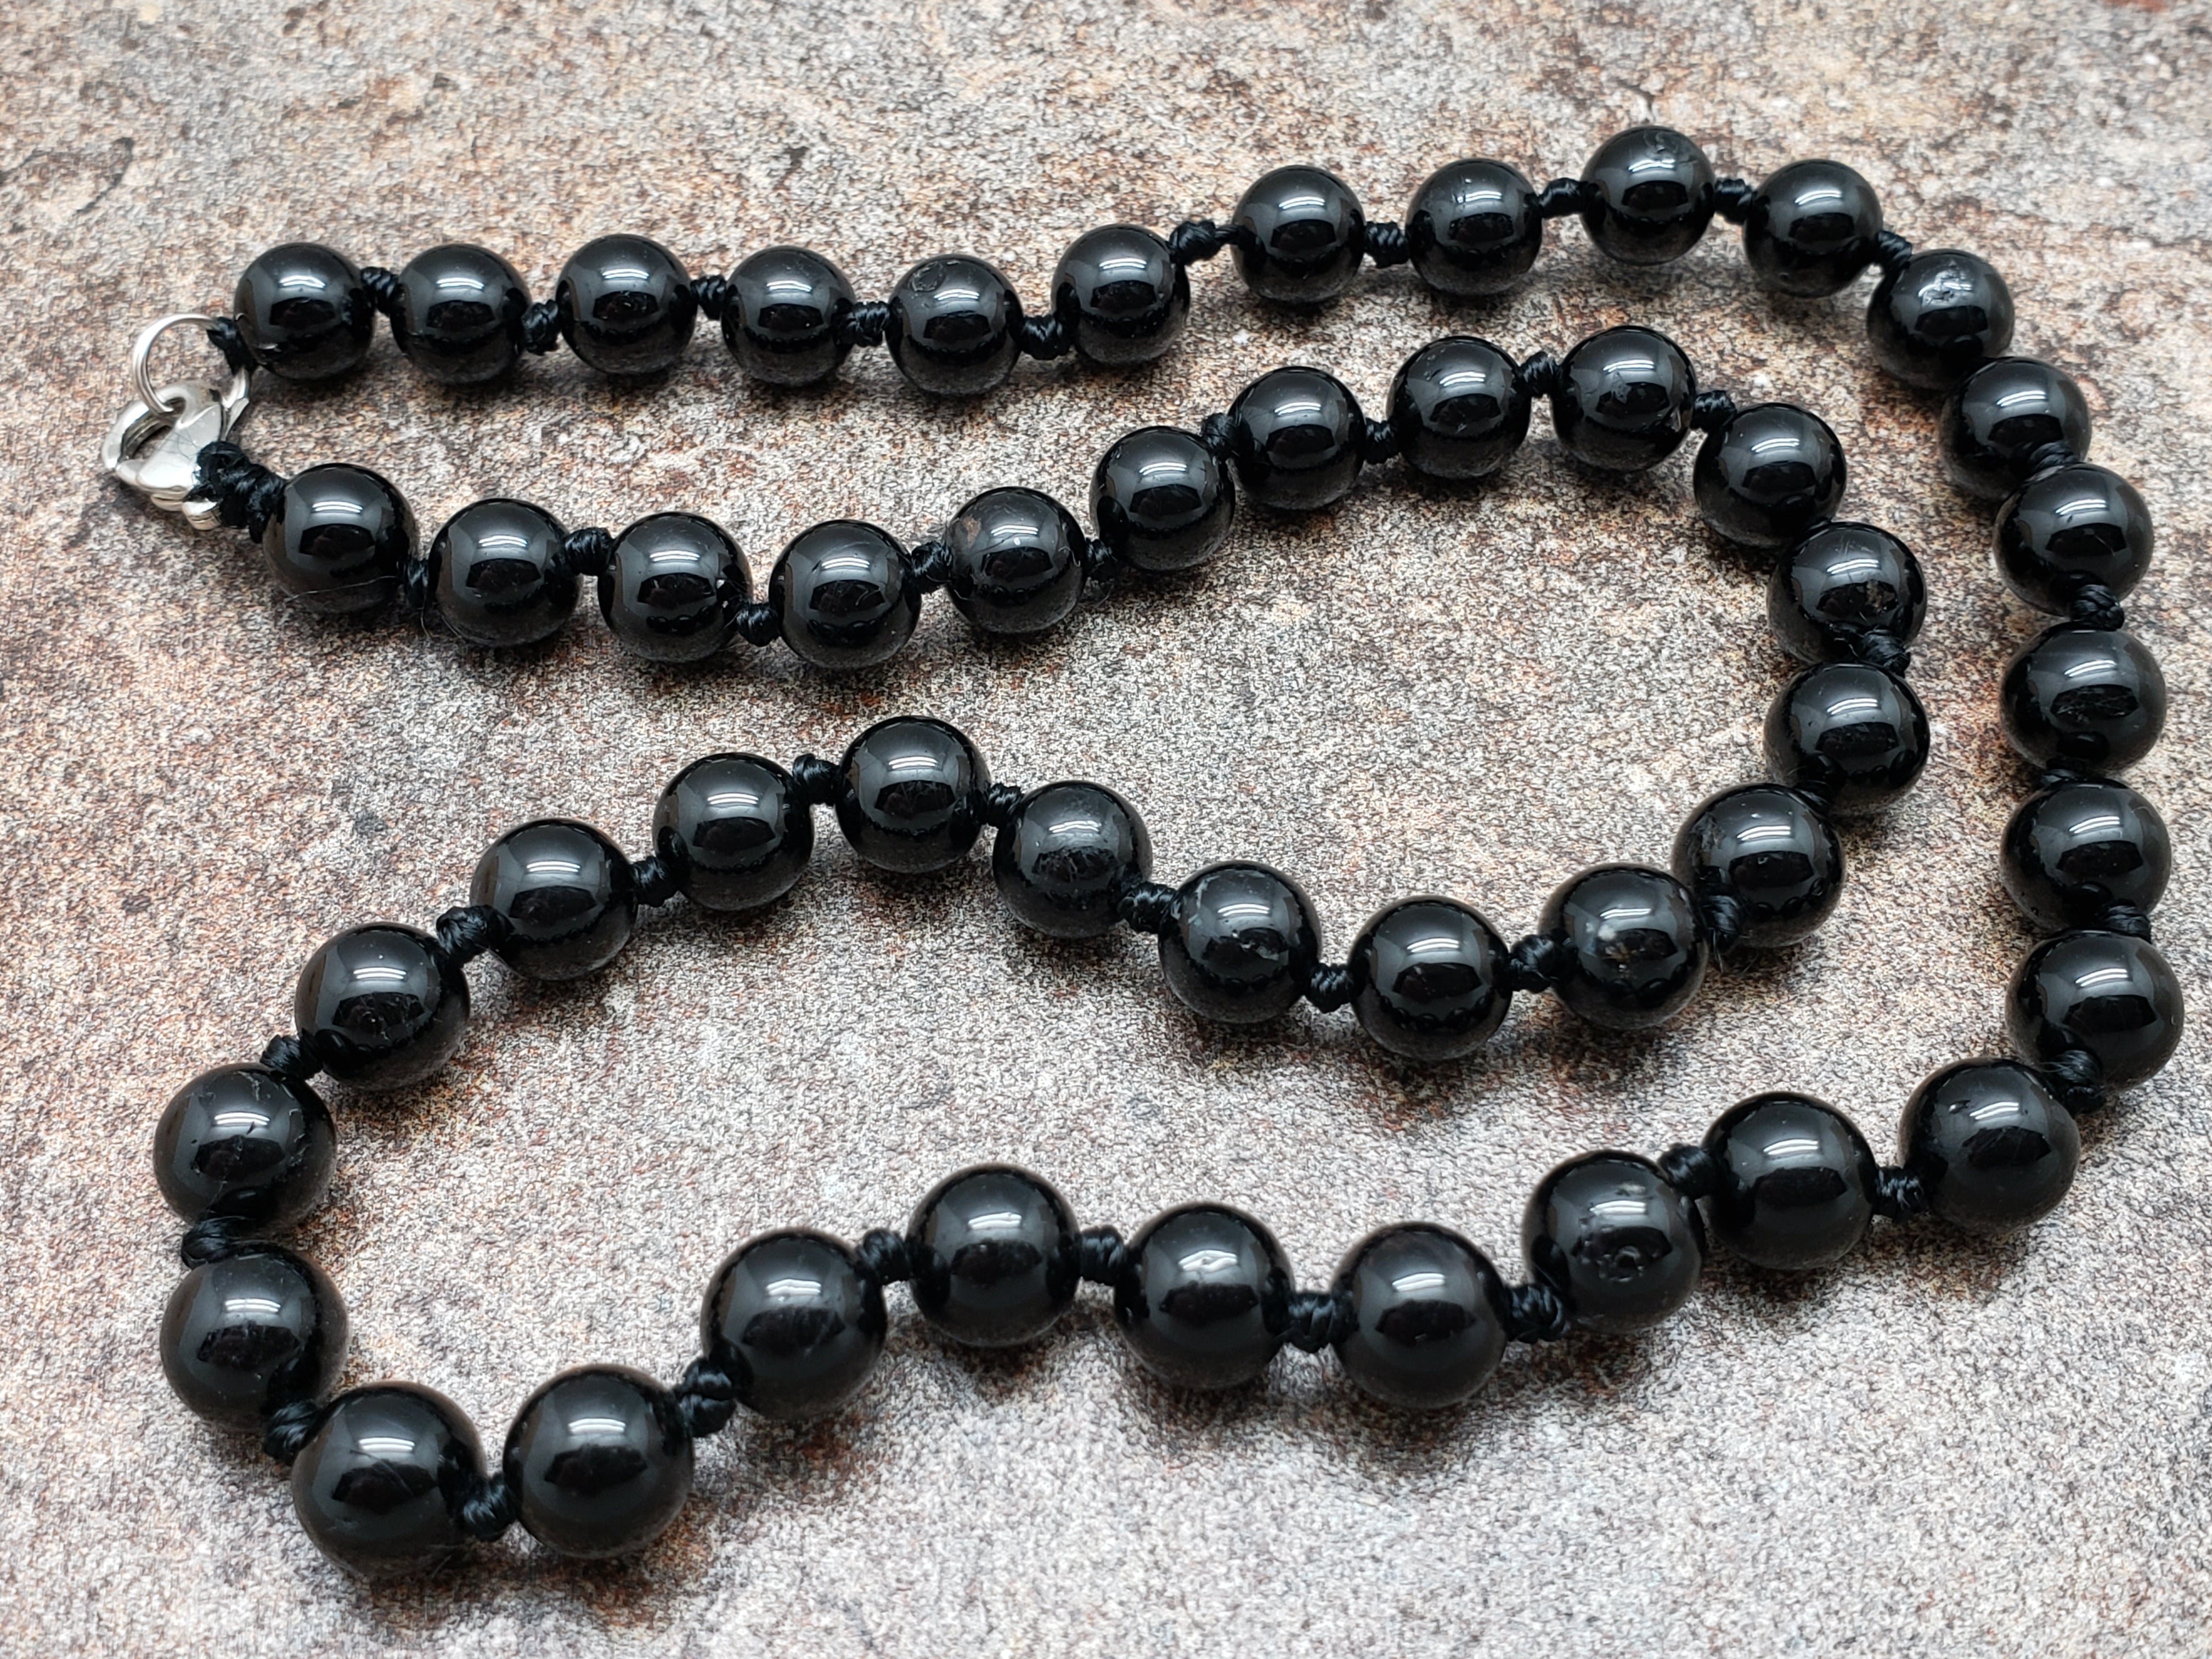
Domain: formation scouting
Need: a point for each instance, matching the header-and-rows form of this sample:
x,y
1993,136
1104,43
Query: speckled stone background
x,y
1941,1446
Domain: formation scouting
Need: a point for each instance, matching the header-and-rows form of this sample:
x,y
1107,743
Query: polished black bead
x,y
625,305
1118,293
1239,942
2075,850
1850,733
956,325
796,1323
378,1485
1061,860
2091,697
1647,195
1840,582
1294,438
565,893
2070,526
1473,228
1616,1240
1427,1329
598,1460
1013,562
673,587
1429,979
1161,500
733,831
781,321
1768,475
253,1330
381,1005
1206,1302
1624,400
304,311
1811,229
1991,1145
845,595
338,539
1796,1182
994,1256
1458,409
1636,950
2005,422
247,1143
460,315
1299,235
498,574
1938,315
1770,850
2112,994
912,787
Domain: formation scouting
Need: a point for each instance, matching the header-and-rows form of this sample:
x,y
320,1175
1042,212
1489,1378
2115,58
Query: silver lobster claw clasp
x,y
154,444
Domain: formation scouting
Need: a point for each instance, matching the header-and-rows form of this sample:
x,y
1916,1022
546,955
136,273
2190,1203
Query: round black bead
x,y
1062,859
1458,409
733,831
338,539
994,1256
1294,438
566,894
796,1323
247,1143
1427,1329
1206,1302
2083,696
1770,850
1473,228
1121,295
1854,735
381,1006
460,315
304,311
2070,526
1796,1182
1840,582
781,322
1429,979
1013,562
625,305
598,1460
956,325
1624,400
377,1486
1770,473
1811,229
2075,850
844,595
2111,994
1636,950
1300,235
1161,500
256,1329
1938,315
911,792
2000,424
1614,1237
1647,195
672,589
499,576
1239,942
1991,1146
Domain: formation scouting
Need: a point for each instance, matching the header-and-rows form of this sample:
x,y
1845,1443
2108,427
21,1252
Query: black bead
x,y
994,1256
1647,195
598,1460
782,322
566,894
1624,400
381,1006
673,587
1771,473
1300,236
2083,696
1206,1302
1118,293
845,595
2000,424
796,1323
1473,228
1614,1238
1427,1329
911,792
1770,850
460,315
304,311
1239,942
1061,860
2112,994
1161,500
1429,979
1636,951
1458,409
2069,526
498,574
733,831
378,1485
1013,562
1940,314
1852,734
1991,1145
1840,582
253,1330
338,539
625,305
1796,1182
955,326
2075,850
1294,438
1811,229
245,1143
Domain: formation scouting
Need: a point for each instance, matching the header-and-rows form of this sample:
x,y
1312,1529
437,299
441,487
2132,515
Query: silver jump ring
x,y
142,351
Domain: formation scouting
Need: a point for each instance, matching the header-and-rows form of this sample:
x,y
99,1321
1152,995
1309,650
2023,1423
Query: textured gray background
x,y
1941,1447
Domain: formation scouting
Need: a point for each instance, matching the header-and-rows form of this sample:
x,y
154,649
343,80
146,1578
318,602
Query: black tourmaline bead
x,y
1624,400
1991,1145
377,1487
912,787
253,1330
994,1256
796,1323
1239,942
845,595
956,325
2075,850
304,311
2001,423
338,539
2112,994
565,893
381,1006
1205,1303
1636,950
1647,195
2090,697
781,321
1458,409
1473,228
733,831
598,1460
1161,500
1013,562
1294,437
1121,295
1426,1326
245,1143
1943,313
1840,582
1852,734
1770,850
498,574
1811,229
1300,235
1614,1237
625,306
460,315
673,587
2070,526
1063,858
1796,1182
1771,473
1428,978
